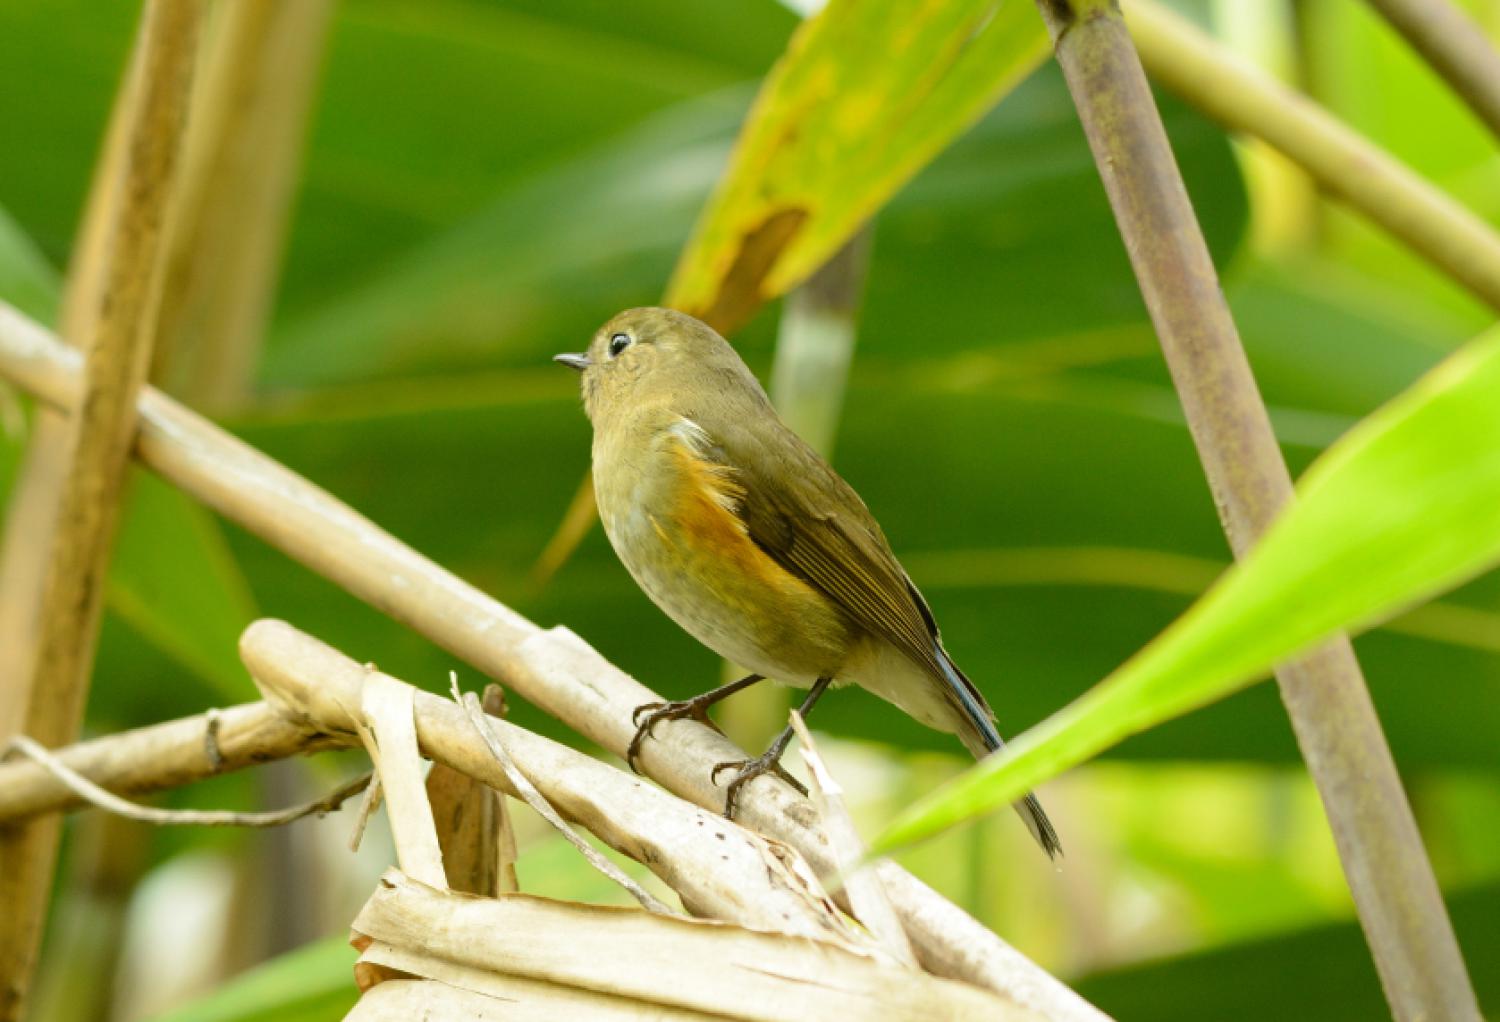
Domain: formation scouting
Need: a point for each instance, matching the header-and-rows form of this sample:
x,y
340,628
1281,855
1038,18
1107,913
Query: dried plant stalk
x,y
1400,907
387,725
161,756
554,670
506,998
669,960
78,534
244,144
1455,46
91,793
473,825
1243,98
867,896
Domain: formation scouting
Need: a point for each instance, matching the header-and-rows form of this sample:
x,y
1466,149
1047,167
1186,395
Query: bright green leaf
x,y
1404,506
314,983
865,96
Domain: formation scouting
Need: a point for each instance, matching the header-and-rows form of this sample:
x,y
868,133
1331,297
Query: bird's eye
x,y
618,343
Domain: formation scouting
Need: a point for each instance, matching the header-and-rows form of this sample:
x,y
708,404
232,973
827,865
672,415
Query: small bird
x,y
749,540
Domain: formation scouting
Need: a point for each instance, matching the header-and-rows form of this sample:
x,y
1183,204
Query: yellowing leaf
x,y
864,97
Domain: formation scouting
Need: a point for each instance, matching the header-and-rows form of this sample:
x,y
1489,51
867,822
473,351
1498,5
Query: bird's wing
x,y
805,517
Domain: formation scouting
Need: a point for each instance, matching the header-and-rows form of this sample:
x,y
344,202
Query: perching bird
x,y
750,541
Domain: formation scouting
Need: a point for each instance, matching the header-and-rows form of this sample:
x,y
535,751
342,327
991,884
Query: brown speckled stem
x,y
1397,897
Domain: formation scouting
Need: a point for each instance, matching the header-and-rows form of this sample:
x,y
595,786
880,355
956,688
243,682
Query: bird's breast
x,y
671,515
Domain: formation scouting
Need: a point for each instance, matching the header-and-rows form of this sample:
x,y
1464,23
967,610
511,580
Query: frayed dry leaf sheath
x,y
634,956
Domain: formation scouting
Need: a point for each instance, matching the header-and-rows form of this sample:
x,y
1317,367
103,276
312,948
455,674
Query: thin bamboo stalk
x,y
79,533
162,756
1345,163
1456,48
1400,906
553,670
243,151
39,479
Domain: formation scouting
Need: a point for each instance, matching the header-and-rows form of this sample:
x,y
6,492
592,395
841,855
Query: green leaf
x,y
1325,971
314,983
865,96
175,582
1404,506
27,280
172,577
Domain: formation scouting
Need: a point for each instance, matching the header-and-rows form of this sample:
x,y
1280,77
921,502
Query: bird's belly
x,y
697,564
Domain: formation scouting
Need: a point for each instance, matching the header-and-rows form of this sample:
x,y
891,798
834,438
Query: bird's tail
x,y
979,736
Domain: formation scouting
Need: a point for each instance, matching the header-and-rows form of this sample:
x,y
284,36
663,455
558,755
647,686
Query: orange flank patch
x,y
704,519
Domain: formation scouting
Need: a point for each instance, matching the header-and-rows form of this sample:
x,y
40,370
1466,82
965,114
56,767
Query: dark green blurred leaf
x,y
1403,506
1323,973
174,580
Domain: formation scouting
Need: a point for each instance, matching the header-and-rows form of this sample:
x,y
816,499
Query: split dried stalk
x,y
867,897
523,787
471,994
553,670
387,726
1395,892
473,824
1244,98
668,960
79,531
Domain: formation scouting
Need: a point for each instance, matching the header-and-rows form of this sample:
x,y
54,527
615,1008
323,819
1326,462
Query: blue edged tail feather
x,y
981,738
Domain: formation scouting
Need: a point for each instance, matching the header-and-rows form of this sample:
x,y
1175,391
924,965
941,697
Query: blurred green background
x,y
486,182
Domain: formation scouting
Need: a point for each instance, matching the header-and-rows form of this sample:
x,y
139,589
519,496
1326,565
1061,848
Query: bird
x,y
752,543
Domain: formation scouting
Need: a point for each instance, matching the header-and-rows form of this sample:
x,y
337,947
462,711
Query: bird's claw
x,y
749,769
656,712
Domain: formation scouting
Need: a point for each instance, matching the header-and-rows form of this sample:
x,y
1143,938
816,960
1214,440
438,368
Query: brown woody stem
x,y
1395,892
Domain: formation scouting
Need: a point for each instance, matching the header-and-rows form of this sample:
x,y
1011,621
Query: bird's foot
x,y
647,715
768,762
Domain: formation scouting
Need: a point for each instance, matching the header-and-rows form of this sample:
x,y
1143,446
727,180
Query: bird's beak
x,y
579,362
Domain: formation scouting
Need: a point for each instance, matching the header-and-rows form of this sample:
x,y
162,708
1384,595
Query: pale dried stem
x,y
243,150
79,532
473,824
538,802
1395,892
867,896
159,757
1244,98
99,798
554,670
386,724
668,960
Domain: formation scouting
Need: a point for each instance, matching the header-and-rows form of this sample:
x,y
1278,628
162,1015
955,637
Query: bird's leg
x,y
768,761
696,707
